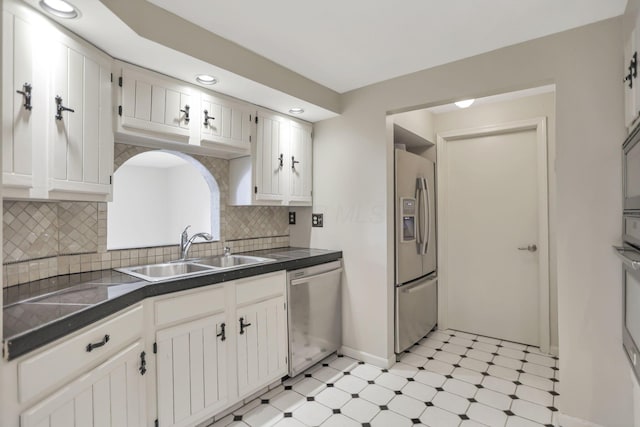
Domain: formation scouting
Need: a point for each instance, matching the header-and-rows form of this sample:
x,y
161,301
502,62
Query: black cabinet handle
x,y
633,70
281,159
60,108
243,325
207,117
26,93
143,363
91,347
293,162
186,114
222,333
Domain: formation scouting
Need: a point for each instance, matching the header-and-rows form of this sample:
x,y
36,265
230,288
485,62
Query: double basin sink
x,y
179,269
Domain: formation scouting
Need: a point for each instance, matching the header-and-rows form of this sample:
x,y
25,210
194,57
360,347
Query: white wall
x,y
151,206
508,111
146,221
191,202
353,187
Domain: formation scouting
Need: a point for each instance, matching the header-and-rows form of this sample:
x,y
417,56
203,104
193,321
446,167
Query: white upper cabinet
x,y
225,124
81,135
630,80
301,160
21,93
155,106
57,121
271,142
161,112
278,172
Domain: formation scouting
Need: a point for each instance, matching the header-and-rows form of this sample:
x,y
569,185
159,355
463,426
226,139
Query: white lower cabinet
x,y
191,370
217,346
262,344
113,394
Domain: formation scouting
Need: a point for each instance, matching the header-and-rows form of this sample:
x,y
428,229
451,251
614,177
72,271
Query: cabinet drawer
x,y
194,304
68,359
260,288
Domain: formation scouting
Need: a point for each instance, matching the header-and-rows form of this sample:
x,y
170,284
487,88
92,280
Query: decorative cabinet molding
x,y
279,170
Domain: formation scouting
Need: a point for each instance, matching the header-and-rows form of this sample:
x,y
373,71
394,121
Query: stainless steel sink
x,y
157,272
229,261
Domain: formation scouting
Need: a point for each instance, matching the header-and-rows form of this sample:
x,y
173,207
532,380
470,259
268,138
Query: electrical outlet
x,y
316,220
292,218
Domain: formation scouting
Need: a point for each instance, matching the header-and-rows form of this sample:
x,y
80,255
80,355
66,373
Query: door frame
x,y
539,124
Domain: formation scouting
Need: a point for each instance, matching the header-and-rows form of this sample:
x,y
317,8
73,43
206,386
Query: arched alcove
x,y
156,194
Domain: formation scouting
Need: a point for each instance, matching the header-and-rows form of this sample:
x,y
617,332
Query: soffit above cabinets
x,y
287,53
103,28
345,45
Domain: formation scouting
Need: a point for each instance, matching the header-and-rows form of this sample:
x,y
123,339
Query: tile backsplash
x,y
44,239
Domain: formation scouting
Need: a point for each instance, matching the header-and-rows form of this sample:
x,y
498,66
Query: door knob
x,y
530,248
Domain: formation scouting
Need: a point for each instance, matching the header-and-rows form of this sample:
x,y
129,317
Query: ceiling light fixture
x,y
60,8
206,79
296,110
464,104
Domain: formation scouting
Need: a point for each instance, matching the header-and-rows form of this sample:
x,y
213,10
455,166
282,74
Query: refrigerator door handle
x,y
427,228
419,225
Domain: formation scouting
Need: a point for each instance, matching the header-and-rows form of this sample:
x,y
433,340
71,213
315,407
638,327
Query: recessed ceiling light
x,y
60,8
296,110
464,104
206,79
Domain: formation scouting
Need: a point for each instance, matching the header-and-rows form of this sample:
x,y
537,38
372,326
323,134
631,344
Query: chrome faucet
x,y
227,251
186,241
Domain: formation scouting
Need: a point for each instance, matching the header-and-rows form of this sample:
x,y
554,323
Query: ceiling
x,y
289,53
345,45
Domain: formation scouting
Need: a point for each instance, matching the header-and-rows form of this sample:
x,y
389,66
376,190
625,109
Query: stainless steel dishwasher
x,y
314,314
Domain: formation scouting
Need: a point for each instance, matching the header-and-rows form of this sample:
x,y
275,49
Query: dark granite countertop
x,y
39,312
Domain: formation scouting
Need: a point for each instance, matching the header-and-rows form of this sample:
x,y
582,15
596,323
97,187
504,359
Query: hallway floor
x,y
449,378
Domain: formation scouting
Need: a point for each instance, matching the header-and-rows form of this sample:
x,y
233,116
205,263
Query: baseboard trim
x,y
567,421
367,357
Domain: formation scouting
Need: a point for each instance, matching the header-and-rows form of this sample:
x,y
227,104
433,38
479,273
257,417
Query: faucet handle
x,y
227,250
185,232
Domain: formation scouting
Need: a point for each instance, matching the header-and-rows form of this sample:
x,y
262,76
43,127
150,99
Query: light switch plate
x,y
316,220
292,218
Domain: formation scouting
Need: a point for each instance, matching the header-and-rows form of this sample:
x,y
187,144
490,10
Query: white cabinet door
x,y
19,72
300,166
156,107
81,134
191,371
261,344
226,124
271,148
113,394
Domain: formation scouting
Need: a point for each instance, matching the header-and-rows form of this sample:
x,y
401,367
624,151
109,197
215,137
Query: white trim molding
x,y
367,357
539,125
567,421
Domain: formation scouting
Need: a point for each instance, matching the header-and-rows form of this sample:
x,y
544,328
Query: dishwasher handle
x,y
314,276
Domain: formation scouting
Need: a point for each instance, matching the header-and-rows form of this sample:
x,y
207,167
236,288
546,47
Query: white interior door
x,y
495,204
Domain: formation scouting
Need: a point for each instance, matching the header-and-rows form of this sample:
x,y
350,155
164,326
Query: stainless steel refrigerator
x,y
416,305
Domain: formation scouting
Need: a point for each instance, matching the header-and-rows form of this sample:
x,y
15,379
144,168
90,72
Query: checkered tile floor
x,y
449,378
